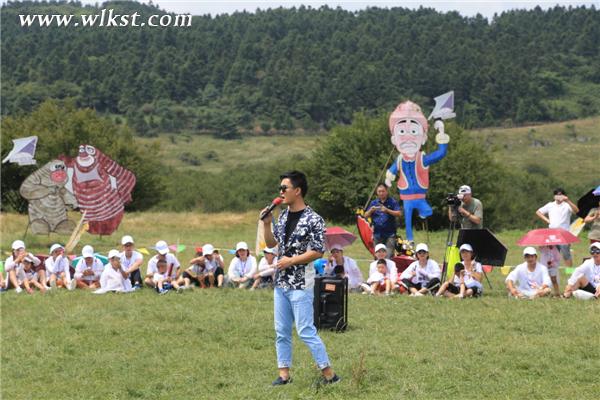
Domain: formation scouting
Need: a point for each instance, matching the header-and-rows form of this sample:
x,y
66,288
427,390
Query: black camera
x,y
453,200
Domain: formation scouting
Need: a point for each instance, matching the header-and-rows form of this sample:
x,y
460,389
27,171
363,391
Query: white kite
x,y
444,106
23,151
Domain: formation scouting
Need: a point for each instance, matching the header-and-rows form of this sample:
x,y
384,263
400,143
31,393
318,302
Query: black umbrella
x,y
487,248
587,202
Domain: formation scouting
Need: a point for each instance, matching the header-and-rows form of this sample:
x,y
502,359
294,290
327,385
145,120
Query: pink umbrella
x,y
338,236
547,237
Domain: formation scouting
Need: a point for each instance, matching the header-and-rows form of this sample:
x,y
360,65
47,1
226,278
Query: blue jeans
x,y
296,305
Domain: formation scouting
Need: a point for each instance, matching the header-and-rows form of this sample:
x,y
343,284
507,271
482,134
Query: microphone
x,y
276,201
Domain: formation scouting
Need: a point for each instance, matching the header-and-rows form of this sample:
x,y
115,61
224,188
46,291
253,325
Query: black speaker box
x,y
331,303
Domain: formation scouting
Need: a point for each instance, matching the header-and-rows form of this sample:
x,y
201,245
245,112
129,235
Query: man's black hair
x,y
560,191
381,185
382,261
298,180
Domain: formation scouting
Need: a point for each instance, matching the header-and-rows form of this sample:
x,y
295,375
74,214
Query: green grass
x,y
570,152
231,153
219,344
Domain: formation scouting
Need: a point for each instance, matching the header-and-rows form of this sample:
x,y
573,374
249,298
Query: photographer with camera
x,y
465,208
384,210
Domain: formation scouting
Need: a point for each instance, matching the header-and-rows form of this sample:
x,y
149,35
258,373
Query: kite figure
x,y
102,188
408,127
48,199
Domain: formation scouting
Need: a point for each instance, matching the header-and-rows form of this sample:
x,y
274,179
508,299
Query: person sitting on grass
x,y
422,276
379,281
266,269
452,287
162,254
88,269
131,262
14,262
472,273
57,267
114,278
209,258
381,254
531,278
586,277
161,279
242,268
346,266
550,257
27,278
196,274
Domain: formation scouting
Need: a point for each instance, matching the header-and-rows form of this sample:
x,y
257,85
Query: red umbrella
x,y
547,237
338,236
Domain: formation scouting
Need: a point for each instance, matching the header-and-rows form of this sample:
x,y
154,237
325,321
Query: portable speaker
x,y
331,303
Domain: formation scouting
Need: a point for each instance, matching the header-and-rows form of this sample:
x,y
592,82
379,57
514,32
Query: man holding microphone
x,y
299,235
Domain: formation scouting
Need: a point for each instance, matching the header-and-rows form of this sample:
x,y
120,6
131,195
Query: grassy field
x,y
566,151
219,344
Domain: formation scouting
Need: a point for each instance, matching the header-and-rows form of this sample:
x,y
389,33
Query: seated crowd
x,y
122,272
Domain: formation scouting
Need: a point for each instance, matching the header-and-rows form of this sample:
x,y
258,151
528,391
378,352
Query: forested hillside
x,y
305,69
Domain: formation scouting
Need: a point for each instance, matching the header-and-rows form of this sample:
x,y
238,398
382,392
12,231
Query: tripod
x,y
449,240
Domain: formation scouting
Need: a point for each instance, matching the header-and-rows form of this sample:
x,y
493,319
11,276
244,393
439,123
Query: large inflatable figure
x,y
48,199
408,128
102,188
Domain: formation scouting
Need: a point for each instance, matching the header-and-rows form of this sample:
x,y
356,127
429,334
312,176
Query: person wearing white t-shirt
x,y
466,281
342,265
14,262
266,269
242,268
423,275
114,278
530,279
88,269
162,253
557,214
28,278
587,276
57,268
131,262
212,264
382,254
379,280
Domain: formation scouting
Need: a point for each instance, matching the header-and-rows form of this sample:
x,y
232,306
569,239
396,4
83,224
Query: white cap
x,y
87,251
466,247
595,245
241,246
422,247
208,249
114,253
270,250
29,258
464,189
336,247
18,244
162,247
529,251
54,247
126,239
380,246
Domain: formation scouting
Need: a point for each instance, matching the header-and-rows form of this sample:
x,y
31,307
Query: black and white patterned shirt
x,y
309,234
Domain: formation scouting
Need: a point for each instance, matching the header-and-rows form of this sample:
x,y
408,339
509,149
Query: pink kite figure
x,y
102,188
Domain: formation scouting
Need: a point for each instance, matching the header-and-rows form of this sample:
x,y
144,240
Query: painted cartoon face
x,y
408,138
86,157
58,172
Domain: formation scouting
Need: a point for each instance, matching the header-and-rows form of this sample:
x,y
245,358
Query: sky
x,y
465,7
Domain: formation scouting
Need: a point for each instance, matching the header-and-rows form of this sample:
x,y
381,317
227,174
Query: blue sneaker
x,y
136,287
163,291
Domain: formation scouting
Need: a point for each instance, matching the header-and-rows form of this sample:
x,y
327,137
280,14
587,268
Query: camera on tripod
x,y
454,200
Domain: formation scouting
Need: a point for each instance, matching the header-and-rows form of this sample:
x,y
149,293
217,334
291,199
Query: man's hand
x,y
284,262
463,212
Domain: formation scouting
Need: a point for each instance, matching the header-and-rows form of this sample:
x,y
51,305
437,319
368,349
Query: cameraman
x,y
384,211
470,210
